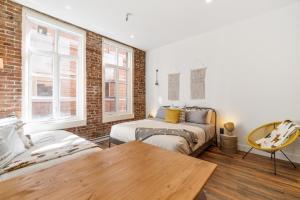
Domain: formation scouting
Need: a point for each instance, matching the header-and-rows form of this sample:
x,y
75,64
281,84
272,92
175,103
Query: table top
x,y
130,171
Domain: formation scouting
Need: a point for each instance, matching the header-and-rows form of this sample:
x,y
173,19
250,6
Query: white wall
x,y
253,71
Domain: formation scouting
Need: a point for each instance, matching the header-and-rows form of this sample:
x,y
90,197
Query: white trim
x,y
279,155
34,127
117,44
59,123
41,18
116,116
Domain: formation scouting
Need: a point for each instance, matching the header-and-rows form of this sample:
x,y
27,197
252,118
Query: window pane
x,y
110,74
67,77
42,65
41,37
110,89
67,108
110,97
122,58
122,105
42,87
110,105
122,97
122,91
67,87
68,44
41,109
109,54
42,78
122,75
68,67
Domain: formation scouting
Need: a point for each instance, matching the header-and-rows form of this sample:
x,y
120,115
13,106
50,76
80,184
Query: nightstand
x,y
228,144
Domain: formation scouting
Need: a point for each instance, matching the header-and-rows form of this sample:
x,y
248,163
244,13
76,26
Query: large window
x,y
117,81
54,72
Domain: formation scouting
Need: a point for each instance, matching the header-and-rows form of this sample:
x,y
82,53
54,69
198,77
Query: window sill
x,y
34,127
113,118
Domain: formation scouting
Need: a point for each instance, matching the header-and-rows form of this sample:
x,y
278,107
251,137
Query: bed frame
x,y
197,152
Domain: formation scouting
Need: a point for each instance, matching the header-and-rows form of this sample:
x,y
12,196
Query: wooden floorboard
x,y
251,178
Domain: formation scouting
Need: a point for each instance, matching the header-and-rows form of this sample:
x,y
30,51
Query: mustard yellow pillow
x,y
172,115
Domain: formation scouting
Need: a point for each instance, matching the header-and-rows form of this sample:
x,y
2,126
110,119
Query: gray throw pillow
x,y
161,112
197,116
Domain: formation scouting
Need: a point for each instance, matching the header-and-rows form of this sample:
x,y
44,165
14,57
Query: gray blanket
x,y
142,134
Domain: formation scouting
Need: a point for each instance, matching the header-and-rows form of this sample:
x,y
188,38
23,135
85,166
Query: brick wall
x,y
10,51
11,75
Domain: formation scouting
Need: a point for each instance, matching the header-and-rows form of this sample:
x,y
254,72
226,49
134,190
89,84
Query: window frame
x,y
31,126
117,116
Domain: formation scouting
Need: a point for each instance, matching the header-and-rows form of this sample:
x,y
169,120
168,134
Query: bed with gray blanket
x,y
187,137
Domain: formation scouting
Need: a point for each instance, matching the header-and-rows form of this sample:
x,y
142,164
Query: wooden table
x,y
130,171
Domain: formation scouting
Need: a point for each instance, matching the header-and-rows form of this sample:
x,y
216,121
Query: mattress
x,y
125,132
45,141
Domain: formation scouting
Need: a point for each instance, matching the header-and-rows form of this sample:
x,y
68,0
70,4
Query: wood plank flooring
x,y
249,179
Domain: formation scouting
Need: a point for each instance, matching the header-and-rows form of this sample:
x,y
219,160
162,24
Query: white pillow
x,y
19,129
9,134
6,154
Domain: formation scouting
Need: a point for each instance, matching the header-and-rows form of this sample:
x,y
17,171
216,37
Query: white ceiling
x,y
153,22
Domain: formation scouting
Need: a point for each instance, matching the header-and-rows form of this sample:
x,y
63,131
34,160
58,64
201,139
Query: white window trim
x,y
111,117
80,119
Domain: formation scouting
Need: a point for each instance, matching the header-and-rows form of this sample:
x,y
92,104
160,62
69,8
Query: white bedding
x,y
45,141
125,132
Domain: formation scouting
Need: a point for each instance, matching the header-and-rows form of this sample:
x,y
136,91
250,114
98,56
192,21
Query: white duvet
x,y
125,132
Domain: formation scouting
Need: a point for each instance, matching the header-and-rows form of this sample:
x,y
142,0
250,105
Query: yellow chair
x,y
262,132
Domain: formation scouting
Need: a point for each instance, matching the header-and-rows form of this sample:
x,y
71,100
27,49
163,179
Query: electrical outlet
x,y
221,130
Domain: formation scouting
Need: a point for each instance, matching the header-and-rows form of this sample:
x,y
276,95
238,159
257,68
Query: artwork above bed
x,y
198,83
173,86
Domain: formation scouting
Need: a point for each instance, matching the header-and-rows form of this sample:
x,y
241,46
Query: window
x,y
54,72
117,81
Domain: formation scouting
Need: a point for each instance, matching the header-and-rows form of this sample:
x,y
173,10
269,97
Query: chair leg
x,y
288,159
247,152
274,154
109,142
271,156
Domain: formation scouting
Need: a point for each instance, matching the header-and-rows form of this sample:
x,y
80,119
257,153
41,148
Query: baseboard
x,y
101,139
279,155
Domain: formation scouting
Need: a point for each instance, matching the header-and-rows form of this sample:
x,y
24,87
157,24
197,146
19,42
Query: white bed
x,y
48,141
125,132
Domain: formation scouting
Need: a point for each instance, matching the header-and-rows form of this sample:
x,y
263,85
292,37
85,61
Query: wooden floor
x,y
251,178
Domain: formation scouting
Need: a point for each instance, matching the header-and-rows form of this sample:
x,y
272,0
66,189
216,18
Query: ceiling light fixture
x,y
67,7
208,1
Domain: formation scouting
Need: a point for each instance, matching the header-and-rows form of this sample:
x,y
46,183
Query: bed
x,y
205,133
45,143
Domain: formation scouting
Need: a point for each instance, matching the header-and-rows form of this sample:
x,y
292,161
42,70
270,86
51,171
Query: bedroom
x,y
110,72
